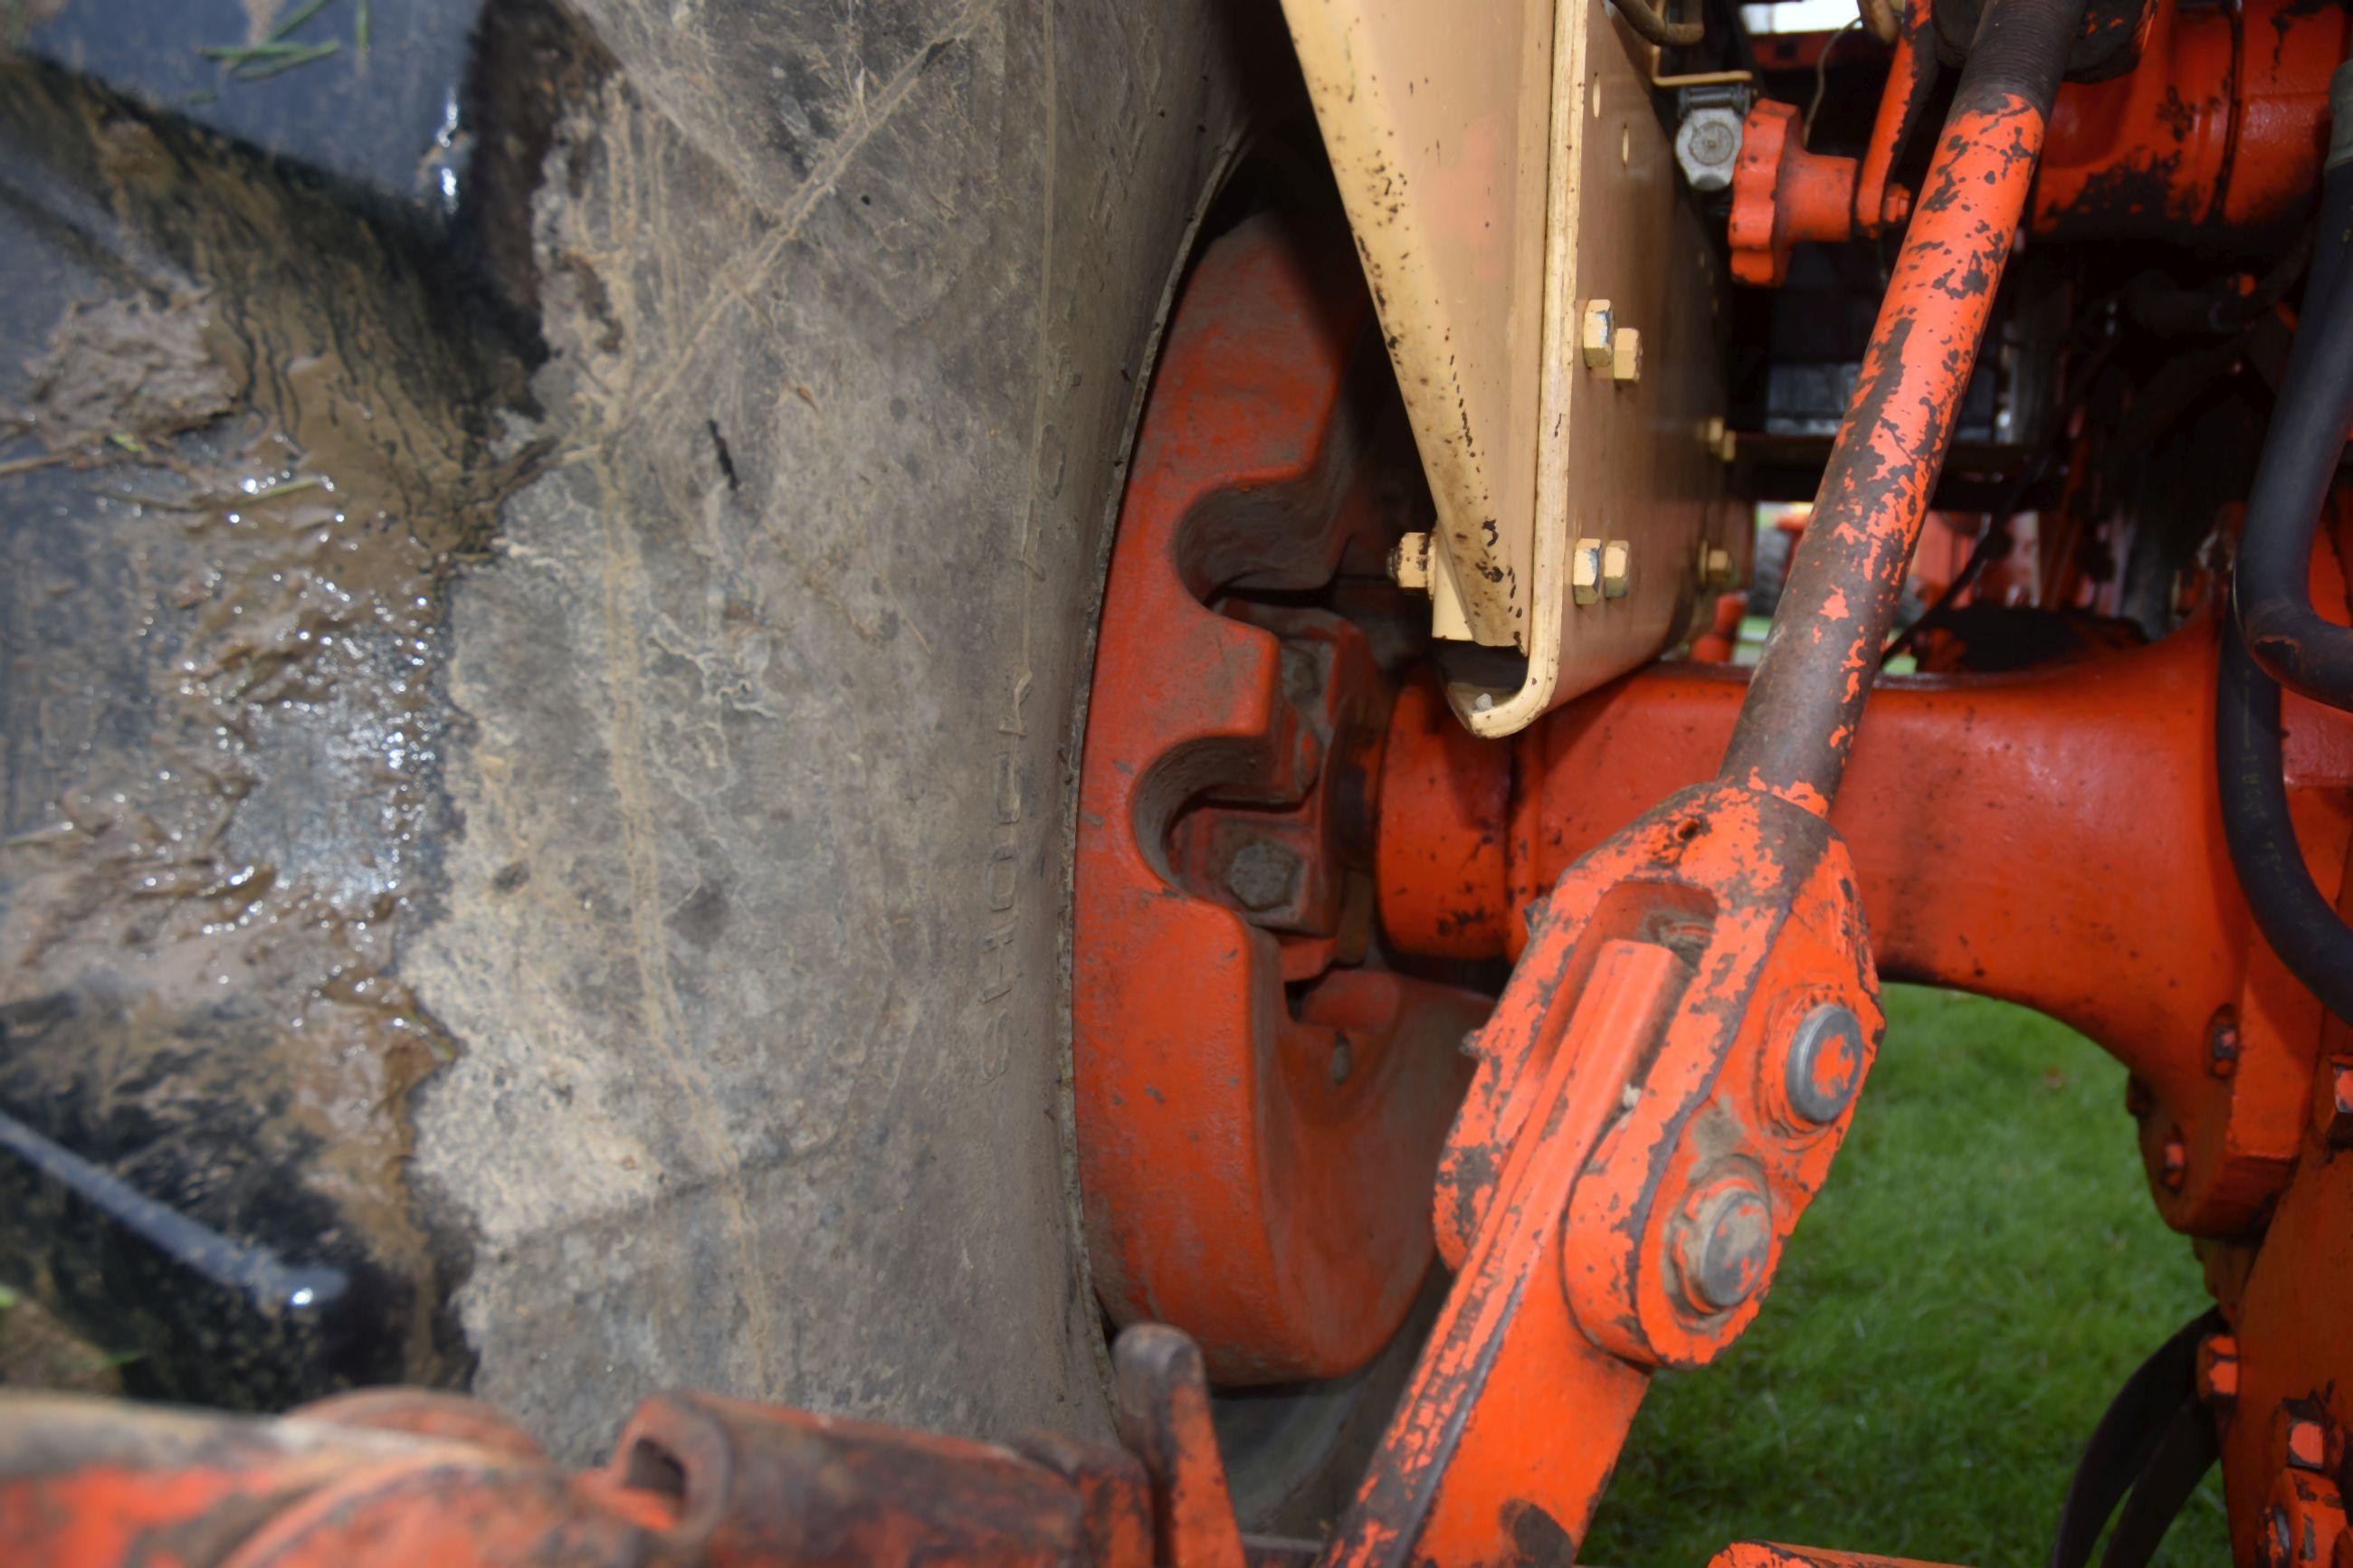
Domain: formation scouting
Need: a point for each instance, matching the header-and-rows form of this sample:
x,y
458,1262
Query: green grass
x,y
1979,1274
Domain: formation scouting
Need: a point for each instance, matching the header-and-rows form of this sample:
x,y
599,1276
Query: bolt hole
x,y
1691,828
653,1468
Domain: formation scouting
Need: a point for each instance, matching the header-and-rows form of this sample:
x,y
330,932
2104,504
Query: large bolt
x,y
1262,875
1721,1252
1585,572
1825,1063
1595,333
1616,568
1626,356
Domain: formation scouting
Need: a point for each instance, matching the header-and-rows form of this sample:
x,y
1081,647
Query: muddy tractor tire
x,y
545,670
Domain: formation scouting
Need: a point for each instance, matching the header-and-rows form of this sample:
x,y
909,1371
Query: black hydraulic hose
x,y
2294,917
2273,598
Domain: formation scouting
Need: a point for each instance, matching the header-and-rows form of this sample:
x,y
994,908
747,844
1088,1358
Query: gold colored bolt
x,y
1626,356
1595,337
1716,565
1409,563
1616,568
1585,572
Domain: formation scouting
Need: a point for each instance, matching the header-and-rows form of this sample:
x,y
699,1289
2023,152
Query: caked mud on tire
x,y
538,731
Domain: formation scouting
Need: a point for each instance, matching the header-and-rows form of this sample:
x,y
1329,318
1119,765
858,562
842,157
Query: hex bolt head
x,y
1823,1065
1595,332
2333,1102
1264,875
1616,568
1707,148
1585,572
1409,563
1626,356
1721,1252
2218,1370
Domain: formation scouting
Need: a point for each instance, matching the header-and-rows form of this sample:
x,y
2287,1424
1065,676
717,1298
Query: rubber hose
x,y
1644,19
2273,598
2298,921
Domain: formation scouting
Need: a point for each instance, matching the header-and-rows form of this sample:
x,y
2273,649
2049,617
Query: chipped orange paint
x,y
1625,1061
2216,131
1479,1456
1772,1554
1163,1395
1911,83
695,1480
1992,819
1798,727
1257,1121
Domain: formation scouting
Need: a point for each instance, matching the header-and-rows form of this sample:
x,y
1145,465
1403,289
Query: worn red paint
x,y
1847,572
1992,819
1254,1162
2217,131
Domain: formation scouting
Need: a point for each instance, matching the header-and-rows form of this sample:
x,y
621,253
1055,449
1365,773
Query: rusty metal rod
x,y
1797,725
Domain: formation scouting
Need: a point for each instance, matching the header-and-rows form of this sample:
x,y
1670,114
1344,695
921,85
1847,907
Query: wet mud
x,y
238,465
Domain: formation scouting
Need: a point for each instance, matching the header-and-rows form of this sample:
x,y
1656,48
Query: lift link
x,y
1674,1061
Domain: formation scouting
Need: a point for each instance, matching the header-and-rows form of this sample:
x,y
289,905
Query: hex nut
x,y
1716,566
1596,333
1264,875
1409,563
1616,568
1585,572
1707,147
1719,440
1626,356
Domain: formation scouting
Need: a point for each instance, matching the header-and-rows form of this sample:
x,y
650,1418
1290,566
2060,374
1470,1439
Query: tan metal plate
x,y
1502,167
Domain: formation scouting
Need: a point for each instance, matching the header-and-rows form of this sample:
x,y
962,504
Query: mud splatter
x,y
222,755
